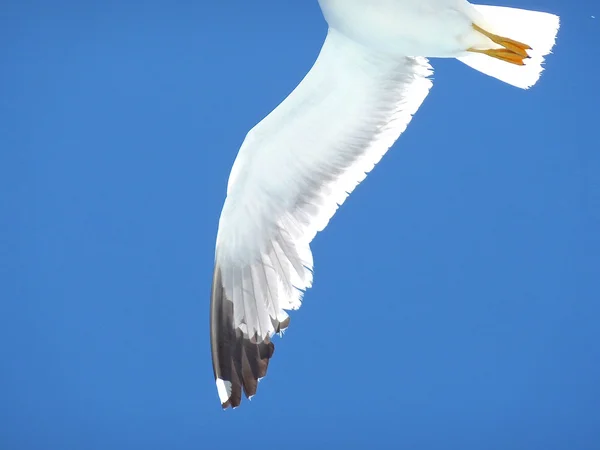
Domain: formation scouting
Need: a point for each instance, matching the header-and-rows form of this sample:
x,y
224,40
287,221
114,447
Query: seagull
x,y
300,163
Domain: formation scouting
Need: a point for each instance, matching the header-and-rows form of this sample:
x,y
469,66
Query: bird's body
x,y
434,28
300,163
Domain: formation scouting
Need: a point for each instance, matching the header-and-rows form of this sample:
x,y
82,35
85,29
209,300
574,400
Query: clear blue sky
x,y
463,274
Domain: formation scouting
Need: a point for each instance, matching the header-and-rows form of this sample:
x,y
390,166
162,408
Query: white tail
x,y
537,29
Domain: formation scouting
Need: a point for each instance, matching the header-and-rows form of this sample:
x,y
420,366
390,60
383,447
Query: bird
x,y
300,163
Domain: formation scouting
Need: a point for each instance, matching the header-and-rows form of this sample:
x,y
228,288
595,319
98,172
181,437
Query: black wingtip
x,y
239,361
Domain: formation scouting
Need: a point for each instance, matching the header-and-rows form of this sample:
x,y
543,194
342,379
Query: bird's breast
x,y
434,28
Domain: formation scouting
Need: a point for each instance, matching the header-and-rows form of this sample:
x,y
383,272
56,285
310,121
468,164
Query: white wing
x,y
292,172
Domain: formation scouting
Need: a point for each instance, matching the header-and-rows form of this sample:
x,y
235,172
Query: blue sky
x,y
464,272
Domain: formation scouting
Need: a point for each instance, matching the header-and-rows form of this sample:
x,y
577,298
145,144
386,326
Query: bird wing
x,y
291,174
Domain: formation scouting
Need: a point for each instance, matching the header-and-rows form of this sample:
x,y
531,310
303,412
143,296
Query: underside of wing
x,y
293,171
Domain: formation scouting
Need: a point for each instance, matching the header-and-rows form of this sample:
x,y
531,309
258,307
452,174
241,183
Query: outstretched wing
x,y
292,172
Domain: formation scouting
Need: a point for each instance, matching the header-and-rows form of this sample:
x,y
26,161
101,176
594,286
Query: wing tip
x,y
239,361
224,390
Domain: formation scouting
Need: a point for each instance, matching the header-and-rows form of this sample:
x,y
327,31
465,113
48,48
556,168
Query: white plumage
x,y
303,160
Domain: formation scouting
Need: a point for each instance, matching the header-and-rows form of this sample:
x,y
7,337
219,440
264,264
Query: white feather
x,y
300,163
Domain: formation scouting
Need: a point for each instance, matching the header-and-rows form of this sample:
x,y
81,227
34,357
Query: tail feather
x,y
537,29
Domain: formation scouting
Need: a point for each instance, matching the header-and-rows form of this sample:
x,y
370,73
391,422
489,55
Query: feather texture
x,y
291,174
